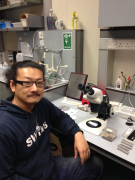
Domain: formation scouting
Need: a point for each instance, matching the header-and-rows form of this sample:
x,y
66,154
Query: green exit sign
x,y
67,41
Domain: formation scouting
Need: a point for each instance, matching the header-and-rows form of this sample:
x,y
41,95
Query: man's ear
x,y
12,86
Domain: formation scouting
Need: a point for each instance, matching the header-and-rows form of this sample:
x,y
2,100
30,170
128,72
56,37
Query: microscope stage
x,y
93,125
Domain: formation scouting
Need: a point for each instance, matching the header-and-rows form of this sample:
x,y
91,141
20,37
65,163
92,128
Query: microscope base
x,y
93,125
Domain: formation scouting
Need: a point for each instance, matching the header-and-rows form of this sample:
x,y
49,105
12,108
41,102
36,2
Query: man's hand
x,y
81,146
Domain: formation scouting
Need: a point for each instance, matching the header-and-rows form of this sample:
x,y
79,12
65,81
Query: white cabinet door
x,y
116,13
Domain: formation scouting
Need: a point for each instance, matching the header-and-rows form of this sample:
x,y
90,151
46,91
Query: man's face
x,y
32,94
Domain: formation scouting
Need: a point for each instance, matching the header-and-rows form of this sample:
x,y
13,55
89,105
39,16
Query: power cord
x,y
123,97
129,92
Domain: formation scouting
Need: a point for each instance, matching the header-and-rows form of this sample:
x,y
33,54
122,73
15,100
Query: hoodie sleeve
x,y
63,121
7,159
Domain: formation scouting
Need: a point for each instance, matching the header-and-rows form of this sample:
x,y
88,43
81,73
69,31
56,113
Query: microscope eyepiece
x,y
89,90
82,88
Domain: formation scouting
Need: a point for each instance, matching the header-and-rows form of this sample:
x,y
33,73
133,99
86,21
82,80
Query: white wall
x,y
87,11
124,61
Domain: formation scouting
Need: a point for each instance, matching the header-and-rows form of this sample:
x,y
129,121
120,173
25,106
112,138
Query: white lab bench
x,y
97,143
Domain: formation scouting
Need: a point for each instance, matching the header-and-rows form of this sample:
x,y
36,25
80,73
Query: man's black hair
x,y
11,73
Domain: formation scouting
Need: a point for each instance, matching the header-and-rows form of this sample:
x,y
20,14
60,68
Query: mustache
x,y
34,94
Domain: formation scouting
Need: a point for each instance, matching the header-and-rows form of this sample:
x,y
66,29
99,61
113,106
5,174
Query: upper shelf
x,y
19,29
34,22
112,88
23,4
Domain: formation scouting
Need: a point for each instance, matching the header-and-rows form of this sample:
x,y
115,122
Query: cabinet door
x,y
116,13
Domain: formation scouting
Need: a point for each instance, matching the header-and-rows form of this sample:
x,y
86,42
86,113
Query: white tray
x,y
17,24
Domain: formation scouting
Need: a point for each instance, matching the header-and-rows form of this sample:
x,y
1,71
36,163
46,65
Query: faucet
x,y
50,70
45,49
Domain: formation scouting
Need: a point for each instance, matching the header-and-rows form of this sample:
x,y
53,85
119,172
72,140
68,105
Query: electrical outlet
x,y
112,44
119,44
127,44
133,45
41,37
124,44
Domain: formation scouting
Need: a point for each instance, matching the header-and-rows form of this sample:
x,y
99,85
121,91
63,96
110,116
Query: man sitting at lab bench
x,y
25,120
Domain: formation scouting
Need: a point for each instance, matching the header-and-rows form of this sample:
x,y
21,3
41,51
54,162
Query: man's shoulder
x,y
4,116
5,119
45,101
44,104
1,114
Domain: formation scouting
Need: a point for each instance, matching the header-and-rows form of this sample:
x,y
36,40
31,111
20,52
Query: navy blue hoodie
x,y
24,153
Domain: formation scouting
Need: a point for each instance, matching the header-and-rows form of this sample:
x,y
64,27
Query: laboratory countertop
x,y
115,121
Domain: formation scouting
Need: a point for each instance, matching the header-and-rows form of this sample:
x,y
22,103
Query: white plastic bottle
x,y
5,66
1,70
119,83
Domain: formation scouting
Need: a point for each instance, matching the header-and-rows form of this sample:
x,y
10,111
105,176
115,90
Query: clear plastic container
x,y
83,107
109,133
5,66
17,24
2,25
51,19
126,112
6,25
115,105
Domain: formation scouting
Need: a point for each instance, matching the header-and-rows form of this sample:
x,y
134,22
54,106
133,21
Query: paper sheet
x,y
74,81
26,49
71,113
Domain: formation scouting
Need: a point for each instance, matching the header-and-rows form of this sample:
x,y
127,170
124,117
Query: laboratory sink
x,y
52,82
